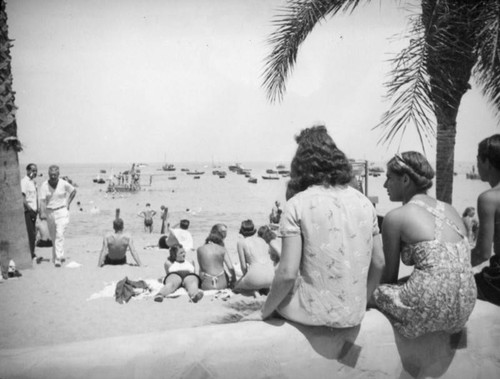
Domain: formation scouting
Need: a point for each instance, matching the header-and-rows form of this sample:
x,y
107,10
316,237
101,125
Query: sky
x,y
114,81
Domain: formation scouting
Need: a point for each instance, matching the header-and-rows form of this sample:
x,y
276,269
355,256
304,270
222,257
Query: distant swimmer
x,y
148,215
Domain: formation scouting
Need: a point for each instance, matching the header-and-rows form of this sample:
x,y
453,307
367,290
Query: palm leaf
x,y
409,91
487,69
294,23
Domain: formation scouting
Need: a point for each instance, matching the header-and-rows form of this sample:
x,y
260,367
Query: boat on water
x,y
219,172
195,172
375,170
196,177
102,171
252,180
168,167
235,167
99,180
222,176
472,176
270,177
112,187
172,177
271,171
244,171
280,166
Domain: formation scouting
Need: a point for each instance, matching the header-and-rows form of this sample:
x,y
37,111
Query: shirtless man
x,y
211,258
488,208
148,215
115,245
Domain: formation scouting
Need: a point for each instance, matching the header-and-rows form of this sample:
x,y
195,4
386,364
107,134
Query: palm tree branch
x,y
487,68
409,91
294,23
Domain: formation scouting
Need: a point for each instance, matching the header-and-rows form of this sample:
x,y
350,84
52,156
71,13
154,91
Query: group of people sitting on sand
x,y
332,260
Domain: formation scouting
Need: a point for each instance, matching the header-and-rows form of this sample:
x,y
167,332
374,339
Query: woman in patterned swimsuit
x,y
440,293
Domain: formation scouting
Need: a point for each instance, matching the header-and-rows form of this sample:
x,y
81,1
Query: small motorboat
x,y
252,180
270,177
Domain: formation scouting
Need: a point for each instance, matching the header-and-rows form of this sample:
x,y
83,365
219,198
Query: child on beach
x,y
148,215
488,207
180,273
331,257
440,293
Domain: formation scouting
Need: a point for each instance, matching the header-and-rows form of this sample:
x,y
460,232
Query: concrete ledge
x,y
275,349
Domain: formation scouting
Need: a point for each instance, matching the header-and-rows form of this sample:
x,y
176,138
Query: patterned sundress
x,y
440,293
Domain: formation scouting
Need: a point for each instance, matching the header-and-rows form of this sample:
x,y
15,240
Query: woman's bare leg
x,y
191,283
172,283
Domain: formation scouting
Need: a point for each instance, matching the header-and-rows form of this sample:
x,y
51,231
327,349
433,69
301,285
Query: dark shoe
x,y
38,260
159,299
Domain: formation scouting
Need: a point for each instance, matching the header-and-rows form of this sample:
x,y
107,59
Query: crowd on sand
x,y
326,256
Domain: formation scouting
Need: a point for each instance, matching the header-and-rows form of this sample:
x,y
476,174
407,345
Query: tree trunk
x,y
445,160
13,234
449,61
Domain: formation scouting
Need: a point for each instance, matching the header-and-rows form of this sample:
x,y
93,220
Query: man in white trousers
x,y
56,196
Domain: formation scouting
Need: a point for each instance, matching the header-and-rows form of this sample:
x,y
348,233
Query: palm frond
x,y
409,91
294,23
487,69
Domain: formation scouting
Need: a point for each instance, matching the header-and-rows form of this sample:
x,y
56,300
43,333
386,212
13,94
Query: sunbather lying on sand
x,y
180,273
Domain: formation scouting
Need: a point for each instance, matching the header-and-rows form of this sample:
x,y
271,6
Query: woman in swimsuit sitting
x,y
256,264
180,273
212,256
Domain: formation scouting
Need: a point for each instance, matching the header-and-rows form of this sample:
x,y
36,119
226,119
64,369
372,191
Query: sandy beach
x,y
54,317
48,306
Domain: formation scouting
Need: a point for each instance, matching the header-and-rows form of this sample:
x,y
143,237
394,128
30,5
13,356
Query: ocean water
x,y
207,200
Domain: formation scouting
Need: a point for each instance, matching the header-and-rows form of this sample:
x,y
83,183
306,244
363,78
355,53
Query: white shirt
x,y
182,236
56,198
28,188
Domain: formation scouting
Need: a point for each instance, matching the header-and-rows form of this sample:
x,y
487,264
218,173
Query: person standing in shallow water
x,y
488,208
148,215
331,256
56,196
440,293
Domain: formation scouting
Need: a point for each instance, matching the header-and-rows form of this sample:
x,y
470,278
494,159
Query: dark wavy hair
x,y
489,148
216,235
416,166
317,160
173,251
